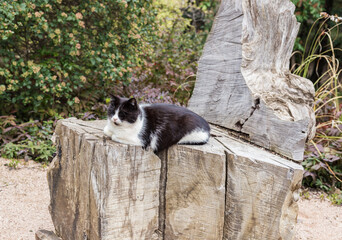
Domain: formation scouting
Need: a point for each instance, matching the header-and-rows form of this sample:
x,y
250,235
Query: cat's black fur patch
x,y
175,122
128,108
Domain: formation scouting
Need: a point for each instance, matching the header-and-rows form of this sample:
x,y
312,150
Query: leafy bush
x,y
40,151
26,140
168,72
59,54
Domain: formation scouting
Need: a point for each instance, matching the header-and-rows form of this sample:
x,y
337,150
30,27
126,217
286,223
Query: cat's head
x,y
123,111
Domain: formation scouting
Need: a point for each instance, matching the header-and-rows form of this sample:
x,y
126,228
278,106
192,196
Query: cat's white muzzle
x,y
116,121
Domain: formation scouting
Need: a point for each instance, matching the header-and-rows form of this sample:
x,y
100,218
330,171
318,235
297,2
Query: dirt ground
x,y
318,220
24,200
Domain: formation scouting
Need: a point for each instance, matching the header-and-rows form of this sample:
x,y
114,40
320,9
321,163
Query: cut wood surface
x,y
244,82
226,189
100,189
195,192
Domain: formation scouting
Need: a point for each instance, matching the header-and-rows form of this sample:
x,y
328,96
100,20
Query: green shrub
x,y
61,55
39,150
26,140
169,71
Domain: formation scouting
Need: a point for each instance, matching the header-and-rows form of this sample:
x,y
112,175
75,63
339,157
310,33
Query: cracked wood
x,y
226,189
246,58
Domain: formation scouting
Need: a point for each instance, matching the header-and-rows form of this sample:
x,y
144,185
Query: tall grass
x,y
323,164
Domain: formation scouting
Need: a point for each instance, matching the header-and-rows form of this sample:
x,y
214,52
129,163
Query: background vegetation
x,y
61,58
317,57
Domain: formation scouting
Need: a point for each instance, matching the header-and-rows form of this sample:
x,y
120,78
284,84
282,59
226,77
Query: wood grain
x,y
100,189
262,191
195,192
243,80
226,189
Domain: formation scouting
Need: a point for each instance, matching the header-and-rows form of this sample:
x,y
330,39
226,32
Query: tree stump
x,y
226,189
229,188
243,80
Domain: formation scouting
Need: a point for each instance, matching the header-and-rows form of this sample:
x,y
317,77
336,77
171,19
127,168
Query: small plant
x,y
13,163
336,198
305,195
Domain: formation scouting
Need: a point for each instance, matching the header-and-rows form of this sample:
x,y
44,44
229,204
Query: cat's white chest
x,y
125,133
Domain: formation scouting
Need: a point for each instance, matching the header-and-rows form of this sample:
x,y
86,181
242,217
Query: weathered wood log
x,y
195,192
226,189
99,189
243,80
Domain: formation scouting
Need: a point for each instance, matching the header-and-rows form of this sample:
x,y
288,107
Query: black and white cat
x,y
154,125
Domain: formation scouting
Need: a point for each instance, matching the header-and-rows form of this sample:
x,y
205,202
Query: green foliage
x,y
26,140
40,151
13,163
60,55
308,10
336,198
10,151
305,12
322,172
323,164
172,64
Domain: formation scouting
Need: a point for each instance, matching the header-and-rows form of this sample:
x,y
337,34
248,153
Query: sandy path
x,y
318,220
24,200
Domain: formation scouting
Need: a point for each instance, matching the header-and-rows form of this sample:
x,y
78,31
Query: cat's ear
x,y
133,103
114,98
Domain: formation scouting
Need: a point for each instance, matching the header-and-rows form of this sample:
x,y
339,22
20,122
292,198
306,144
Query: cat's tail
x,y
198,136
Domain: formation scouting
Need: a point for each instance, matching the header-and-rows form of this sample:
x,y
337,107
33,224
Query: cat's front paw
x,y
107,132
146,147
